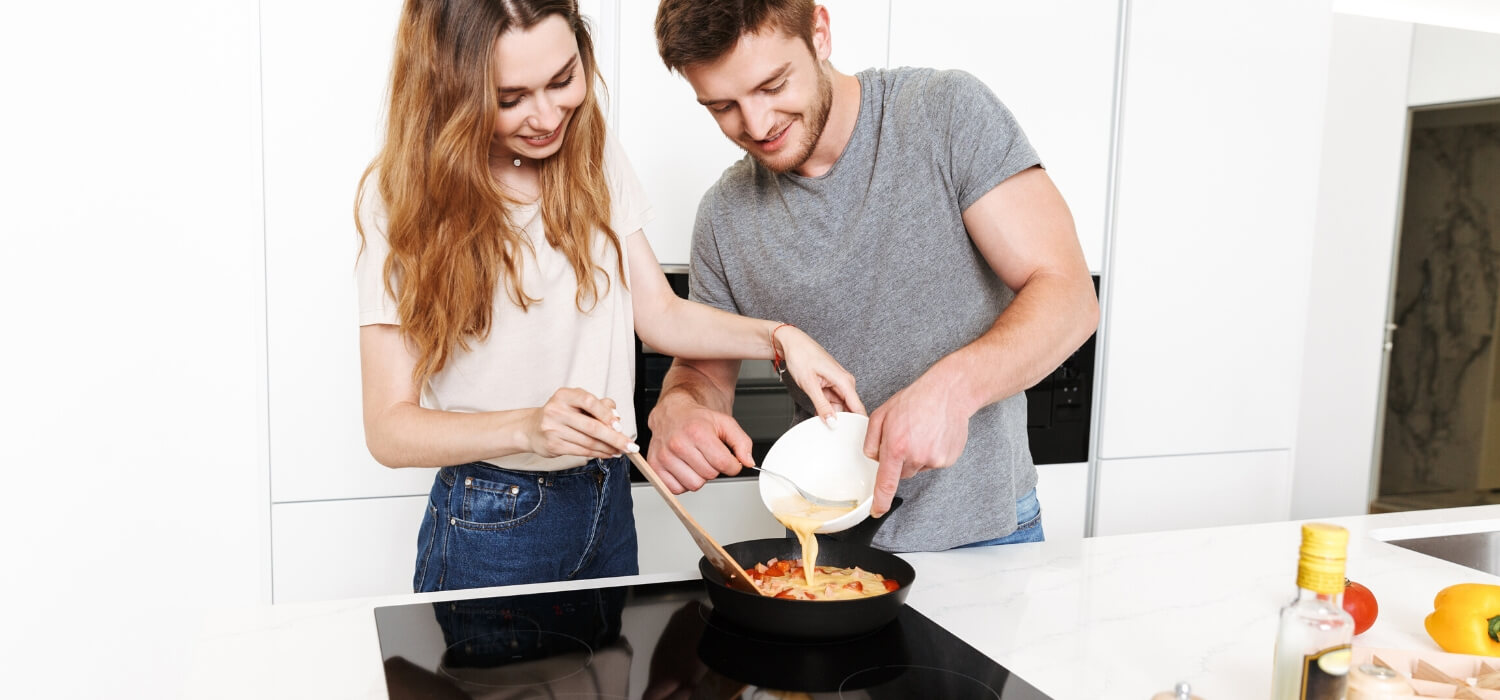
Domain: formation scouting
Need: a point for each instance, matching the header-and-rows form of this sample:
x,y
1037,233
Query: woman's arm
x,y
400,433
681,328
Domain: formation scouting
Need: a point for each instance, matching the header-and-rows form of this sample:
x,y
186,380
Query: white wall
x,y
1453,65
1476,15
1364,146
134,437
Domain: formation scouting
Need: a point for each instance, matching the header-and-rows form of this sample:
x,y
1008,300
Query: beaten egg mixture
x,y
803,579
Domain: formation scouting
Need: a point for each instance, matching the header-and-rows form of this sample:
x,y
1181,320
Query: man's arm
x,y
693,436
1025,232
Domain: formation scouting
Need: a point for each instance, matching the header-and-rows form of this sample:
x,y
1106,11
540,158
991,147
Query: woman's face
x,y
540,82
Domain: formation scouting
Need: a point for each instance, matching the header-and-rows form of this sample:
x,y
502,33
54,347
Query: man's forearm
x,y
708,383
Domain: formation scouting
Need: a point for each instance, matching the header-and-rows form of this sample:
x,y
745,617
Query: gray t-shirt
x,y
872,260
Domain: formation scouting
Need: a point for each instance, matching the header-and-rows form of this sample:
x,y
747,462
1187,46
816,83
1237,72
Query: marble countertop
x,y
1104,617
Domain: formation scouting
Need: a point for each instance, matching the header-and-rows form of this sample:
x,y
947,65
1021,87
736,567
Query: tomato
x,y
1360,603
890,585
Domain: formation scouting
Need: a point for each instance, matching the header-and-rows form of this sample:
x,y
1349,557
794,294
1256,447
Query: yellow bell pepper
x,y
1466,619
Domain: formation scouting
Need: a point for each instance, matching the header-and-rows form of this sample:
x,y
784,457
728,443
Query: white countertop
x,y
1107,617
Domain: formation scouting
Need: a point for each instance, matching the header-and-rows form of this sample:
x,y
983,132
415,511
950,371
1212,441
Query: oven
x,y
1058,407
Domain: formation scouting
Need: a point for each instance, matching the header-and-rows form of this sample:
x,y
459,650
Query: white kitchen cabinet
x,y
322,127
674,144
1063,491
345,549
1051,63
1216,202
1191,491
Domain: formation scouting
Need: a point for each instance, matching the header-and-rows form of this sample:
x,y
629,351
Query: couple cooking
x,y
892,227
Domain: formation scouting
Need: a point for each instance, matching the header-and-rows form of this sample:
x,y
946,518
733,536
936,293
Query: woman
x,y
502,259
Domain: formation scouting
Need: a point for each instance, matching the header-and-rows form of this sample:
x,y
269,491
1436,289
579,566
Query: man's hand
x,y
923,426
691,443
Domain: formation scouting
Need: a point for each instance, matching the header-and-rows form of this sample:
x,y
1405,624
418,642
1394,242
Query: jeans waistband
x,y
449,475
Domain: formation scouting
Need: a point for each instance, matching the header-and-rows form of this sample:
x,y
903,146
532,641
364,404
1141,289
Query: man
x,y
901,218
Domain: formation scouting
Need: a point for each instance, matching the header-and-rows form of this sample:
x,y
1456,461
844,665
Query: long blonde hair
x,y
449,225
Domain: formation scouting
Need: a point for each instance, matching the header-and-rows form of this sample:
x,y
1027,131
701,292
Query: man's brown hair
x,y
690,32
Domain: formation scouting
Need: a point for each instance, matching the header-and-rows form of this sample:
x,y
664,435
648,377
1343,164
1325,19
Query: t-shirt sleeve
x,y
706,279
629,209
375,304
985,142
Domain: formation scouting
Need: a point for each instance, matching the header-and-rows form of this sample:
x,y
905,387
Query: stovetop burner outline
x,y
444,669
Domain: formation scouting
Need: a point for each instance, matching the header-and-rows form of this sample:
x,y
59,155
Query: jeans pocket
x,y
499,500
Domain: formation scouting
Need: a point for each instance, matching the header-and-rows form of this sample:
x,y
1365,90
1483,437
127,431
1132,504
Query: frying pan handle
x,y
864,532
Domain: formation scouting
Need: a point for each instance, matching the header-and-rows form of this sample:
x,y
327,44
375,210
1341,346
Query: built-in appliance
x,y
664,640
1058,407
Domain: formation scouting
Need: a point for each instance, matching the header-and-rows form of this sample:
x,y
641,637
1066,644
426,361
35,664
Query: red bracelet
x,y
775,354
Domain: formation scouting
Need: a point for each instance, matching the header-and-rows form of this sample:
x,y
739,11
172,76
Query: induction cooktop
x,y
663,640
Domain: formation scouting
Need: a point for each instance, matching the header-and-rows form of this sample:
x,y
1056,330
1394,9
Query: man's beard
x,y
813,120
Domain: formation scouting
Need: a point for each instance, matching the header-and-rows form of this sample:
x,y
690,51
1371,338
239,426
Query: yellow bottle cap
x,y
1321,566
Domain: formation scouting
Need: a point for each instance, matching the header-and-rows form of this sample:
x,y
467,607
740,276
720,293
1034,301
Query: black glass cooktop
x,y
662,641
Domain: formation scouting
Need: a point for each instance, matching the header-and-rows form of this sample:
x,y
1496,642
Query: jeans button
x,y
515,490
468,481
452,521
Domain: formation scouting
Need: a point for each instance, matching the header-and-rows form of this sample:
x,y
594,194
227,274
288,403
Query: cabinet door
x,y
1063,491
325,70
325,67
1216,202
1051,63
1175,493
674,144
345,549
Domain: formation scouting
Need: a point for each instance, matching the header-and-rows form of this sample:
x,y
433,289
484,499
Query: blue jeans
x,y
1029,515
487,526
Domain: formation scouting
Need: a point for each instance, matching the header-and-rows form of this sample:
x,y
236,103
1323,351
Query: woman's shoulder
x,y
369,204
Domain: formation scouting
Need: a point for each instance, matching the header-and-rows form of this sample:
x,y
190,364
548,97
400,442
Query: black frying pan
x,y
813,619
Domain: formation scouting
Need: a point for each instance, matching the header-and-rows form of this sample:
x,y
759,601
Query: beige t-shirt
x,y
530,355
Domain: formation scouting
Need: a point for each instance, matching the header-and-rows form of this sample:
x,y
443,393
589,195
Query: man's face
x,y
769,94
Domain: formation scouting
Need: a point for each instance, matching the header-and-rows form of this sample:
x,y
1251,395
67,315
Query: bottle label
x,y
1325,674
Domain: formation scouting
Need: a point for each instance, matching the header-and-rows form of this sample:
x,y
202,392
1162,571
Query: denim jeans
x,y
1029,515
487,526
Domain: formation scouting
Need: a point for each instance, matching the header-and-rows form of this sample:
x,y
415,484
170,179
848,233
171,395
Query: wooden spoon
x,y
734,575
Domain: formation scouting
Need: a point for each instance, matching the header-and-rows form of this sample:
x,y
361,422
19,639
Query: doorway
x,y
1440,439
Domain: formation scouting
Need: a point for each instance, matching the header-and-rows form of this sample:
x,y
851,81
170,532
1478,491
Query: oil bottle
x,y
1312,641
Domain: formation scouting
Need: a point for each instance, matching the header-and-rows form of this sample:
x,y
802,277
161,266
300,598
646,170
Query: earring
x,y
516,162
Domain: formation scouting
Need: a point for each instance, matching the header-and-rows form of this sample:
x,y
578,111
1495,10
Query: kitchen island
x,y
1107,617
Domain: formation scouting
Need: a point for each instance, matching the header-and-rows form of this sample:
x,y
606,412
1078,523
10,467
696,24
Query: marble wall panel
x,y
1441,381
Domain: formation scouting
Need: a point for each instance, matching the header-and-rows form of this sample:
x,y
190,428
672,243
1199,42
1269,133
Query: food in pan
x,y
787,578
802,518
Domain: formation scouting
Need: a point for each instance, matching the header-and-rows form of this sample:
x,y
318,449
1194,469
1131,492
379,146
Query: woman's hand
x,y
821,377
575,422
